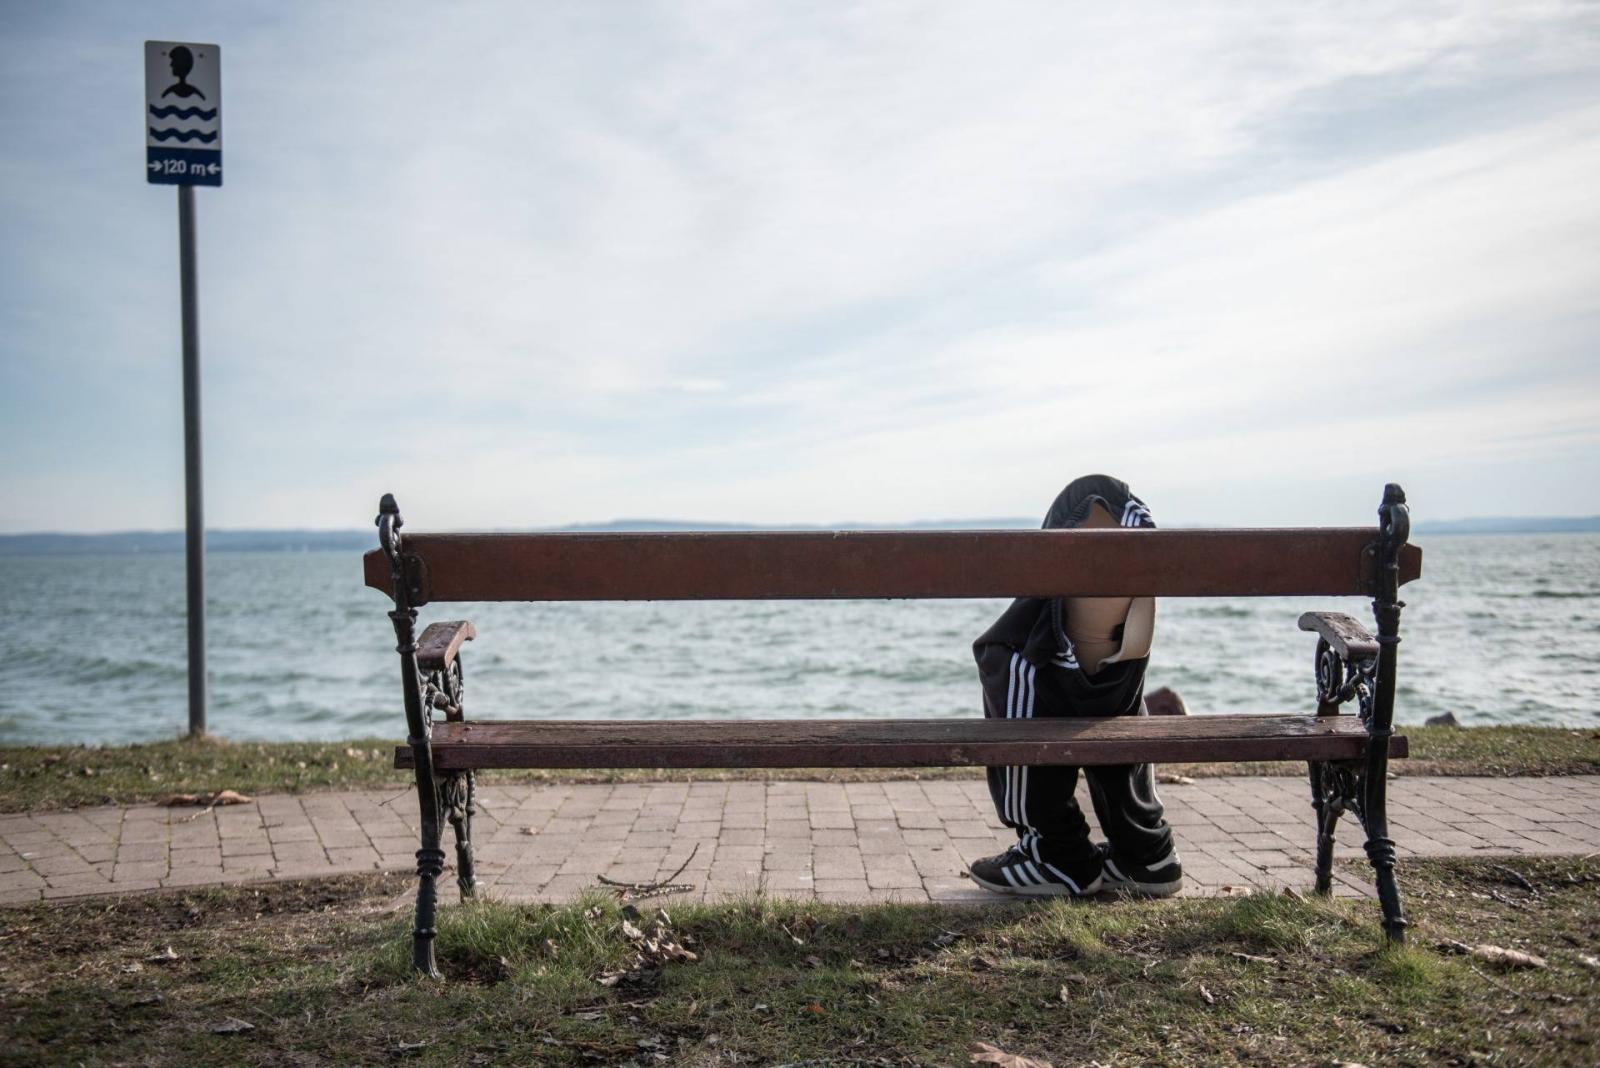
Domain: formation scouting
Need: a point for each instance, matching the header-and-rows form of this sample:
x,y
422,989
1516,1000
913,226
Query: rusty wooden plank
x,y
891,564
892,743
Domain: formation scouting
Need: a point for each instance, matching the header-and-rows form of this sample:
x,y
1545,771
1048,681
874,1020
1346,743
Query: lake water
x,y
1501,629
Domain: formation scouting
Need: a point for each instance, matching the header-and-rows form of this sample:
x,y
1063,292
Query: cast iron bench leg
x,y
1380,851
430,862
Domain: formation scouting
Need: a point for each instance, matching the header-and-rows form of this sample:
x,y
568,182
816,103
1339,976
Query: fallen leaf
x,y
983,1053
1497,955
1229,890
166,956
221,797
529,830
1174,779
1204,993
232,1026
1588,961
403,1048
1253,958
1065,995
1510,958
815,1009
591,1015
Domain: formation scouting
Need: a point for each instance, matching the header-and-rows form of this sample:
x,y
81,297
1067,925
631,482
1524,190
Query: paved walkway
x,y
906,840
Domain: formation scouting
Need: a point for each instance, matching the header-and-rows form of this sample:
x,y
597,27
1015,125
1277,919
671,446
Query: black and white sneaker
x,y
1017,872
1160,878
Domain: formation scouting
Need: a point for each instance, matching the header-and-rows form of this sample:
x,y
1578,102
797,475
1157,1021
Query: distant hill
x,y
1553,524
299,541
291,541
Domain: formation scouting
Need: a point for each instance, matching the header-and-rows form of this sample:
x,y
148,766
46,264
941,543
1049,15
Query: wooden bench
x,y
1347,754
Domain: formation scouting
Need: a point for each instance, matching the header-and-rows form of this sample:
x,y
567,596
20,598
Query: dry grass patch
x,y
316,973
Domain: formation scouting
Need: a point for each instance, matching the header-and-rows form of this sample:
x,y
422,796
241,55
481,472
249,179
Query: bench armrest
x,y
437,648
1348,637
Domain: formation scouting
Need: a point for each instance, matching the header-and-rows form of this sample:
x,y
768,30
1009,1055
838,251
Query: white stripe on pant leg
x,y
1026,711
1008,808
1013,703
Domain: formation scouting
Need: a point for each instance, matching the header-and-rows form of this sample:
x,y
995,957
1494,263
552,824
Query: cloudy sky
x,y
528,264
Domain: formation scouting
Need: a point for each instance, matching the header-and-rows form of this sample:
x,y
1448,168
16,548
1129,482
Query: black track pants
x,y
1037,801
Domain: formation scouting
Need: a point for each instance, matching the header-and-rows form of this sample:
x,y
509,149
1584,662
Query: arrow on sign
x,y
152,166
213,169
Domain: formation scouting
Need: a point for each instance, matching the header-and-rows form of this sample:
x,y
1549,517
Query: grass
x,y
41,777
319,972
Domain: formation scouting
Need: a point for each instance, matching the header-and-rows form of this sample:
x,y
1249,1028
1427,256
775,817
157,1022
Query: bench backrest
x,y
1335,561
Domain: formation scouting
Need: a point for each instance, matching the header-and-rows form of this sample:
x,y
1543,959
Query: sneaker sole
x,y
1047,890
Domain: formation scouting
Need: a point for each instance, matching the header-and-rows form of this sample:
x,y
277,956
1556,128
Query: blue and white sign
x,y
183,113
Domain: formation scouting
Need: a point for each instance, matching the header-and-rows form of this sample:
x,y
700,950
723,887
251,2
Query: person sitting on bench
x,y
1076,656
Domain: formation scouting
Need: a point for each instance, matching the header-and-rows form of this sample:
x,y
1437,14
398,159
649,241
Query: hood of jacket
x,y
1034,626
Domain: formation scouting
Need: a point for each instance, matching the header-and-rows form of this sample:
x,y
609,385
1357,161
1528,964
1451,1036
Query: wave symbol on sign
x,y
183,135
172,111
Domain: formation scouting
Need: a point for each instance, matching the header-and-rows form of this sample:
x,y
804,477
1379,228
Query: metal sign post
x,y
183,147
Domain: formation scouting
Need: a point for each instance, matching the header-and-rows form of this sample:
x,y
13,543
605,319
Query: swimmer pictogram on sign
x,y
183,113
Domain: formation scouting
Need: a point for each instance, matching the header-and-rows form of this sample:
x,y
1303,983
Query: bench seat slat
x,y
887,564
892,742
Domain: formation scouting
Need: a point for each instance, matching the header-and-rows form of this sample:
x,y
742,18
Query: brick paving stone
x,y
790,883
149,871
876,810
786,860
834,819
919,818
837,862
